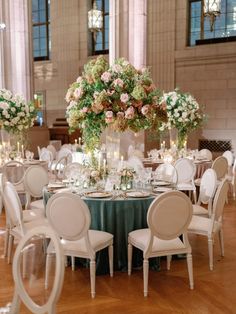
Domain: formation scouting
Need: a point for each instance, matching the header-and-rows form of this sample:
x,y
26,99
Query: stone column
x,y
17,47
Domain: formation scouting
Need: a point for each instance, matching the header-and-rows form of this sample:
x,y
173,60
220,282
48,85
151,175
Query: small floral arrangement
x,y
126,175
119,96
183,113
15,114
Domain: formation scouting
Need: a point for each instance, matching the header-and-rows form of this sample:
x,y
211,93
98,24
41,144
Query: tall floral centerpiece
x,y
183,113
16,116
118,96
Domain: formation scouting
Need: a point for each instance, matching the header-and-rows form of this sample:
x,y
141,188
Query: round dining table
x,y
119,217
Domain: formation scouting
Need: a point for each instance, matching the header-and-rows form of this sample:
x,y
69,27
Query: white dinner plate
x,y
56,185
97,194
161,183
162,189
137,194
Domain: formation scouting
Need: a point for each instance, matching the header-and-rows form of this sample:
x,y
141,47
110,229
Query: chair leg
x,y
65,261
6,242
190,270
169,258
195,196
210,251
221,239
15,304
10,245
92,277
73,263
48,266
130,254
145,276
110,253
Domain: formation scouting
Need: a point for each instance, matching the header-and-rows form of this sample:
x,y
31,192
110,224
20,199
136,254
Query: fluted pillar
x,y
16,52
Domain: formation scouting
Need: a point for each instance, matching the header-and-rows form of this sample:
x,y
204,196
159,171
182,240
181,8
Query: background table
x,y
119,217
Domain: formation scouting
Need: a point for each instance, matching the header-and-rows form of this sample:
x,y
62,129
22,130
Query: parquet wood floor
x,y
215,291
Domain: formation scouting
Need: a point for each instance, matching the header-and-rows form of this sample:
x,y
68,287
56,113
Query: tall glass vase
x,y
182,140
112,147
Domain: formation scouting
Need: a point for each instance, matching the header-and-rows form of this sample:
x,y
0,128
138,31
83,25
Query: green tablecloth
x,y
119,217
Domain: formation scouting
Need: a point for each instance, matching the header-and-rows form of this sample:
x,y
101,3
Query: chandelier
x,y
211,9
95,19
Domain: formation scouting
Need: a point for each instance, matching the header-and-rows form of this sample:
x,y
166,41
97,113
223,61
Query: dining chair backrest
x,y
68,215
169,215
67,146
220,199
220,165
13,171
22,293
186,170
63,152
46,155
208,186
166,172
52,150
12,205
36,177
205,153
229,156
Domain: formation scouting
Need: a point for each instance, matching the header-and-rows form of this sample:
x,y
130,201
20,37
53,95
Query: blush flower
x,y
78,93
109,117
129,113
124,97
106,77
145,110
118,82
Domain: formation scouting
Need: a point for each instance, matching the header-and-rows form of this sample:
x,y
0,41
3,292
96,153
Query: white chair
x,y
232,180
205,153
20,292
210,226
14,171
166,172
186,170
70,218
36,177
59,166
220,165
64,152
15,225
168,217
46,155
229,156
206,193
52,150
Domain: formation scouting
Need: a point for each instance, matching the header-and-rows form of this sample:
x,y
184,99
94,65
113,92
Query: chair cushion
x,y
98,240
29,215
202,225
199,210
38,204
17,231
139,238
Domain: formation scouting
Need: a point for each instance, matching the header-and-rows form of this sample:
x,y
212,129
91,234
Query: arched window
x,y
41,32
200,29
100,42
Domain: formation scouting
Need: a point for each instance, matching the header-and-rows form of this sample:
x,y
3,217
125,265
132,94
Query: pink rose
x,y
106,77
118,82
109,117
79,79
116,68
85,109
129,113
120,115
124,97
145,109
78,93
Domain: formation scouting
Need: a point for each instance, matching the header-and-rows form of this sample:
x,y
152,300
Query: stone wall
x,y
208,72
